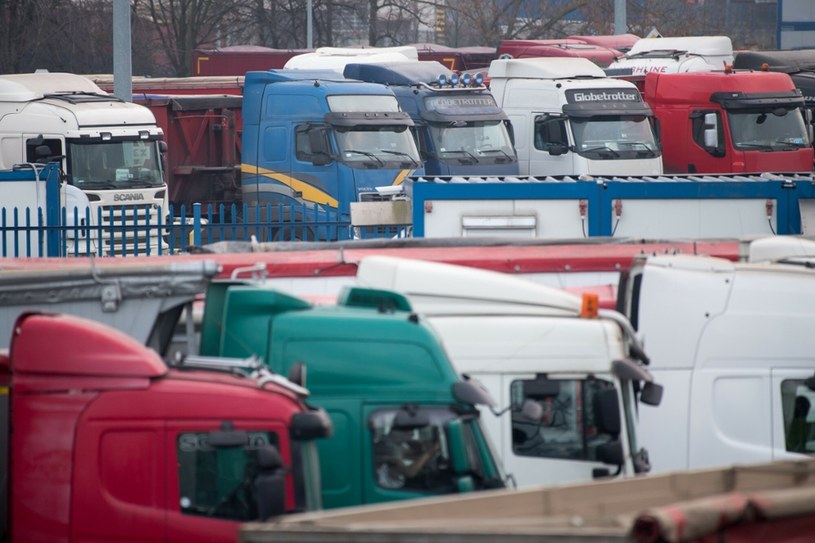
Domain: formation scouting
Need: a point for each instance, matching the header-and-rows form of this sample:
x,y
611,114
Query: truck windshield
x,y
473,141
419,459
768,130
114,164
378,147
614,137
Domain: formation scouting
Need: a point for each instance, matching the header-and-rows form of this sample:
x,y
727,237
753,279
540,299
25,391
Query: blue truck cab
x,y
313,138
459,128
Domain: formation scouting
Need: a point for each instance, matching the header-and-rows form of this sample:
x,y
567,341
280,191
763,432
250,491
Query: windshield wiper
x,y
645,148
469,154
601,149
366,153
401,153
760,146
482,151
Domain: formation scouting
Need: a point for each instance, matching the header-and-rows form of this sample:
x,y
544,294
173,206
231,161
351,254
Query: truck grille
x,y
125,229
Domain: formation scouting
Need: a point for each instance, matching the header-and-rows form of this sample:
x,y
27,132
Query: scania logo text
x,y
128,197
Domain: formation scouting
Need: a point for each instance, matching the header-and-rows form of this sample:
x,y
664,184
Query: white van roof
x,y
545,68
699,45
444,289
335,58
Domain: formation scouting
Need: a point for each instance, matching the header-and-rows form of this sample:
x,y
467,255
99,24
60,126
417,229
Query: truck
x,y
673,55
570,119
730,122
103,441
799,64
317,140
236,60
739,366
459,128
568,377
599,55
109,149
239,59
405,423
738,503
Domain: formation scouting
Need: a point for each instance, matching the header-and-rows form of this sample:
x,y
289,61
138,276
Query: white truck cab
x,y
570,119
567,384
732,343
674,55
107,148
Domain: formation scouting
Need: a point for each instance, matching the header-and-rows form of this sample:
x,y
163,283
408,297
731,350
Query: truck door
x,y
793,413
550,152
563,445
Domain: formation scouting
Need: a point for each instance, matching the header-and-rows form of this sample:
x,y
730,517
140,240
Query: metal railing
x,y
26,232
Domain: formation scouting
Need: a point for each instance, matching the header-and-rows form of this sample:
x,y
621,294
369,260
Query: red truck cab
x,y
109,444
730,122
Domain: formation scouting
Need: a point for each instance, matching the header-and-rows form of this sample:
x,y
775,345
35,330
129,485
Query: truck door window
x,y
412,459
798,407
40,150
567,428
550,130
218,482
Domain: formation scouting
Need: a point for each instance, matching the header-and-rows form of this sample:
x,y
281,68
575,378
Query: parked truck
x,y
673,55
318,140
569,119
459,128
730,122
102,441
799,64
406,425
568,377
737,504
731,344
108,148
599,55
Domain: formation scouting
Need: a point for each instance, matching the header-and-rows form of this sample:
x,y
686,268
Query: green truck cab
x,y
405,424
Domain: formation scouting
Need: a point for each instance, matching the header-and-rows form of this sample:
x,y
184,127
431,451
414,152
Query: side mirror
x,y
557,149
651,394
162,146
711,131
318,141
611,453
472,392
607,412
270,483
459,460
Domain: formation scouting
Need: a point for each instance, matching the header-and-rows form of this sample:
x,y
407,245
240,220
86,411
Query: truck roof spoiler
x,y
435,288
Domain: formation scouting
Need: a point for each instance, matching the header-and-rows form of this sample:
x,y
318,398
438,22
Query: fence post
x,y
196,224
52,211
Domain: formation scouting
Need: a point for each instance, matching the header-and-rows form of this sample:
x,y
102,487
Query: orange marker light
x,y
591,306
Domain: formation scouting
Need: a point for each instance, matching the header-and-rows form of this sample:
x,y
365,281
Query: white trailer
x,y
570,119
108,148
733,345
567,379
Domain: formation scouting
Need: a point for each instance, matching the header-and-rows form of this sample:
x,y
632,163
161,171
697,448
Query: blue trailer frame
x,y
601,194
